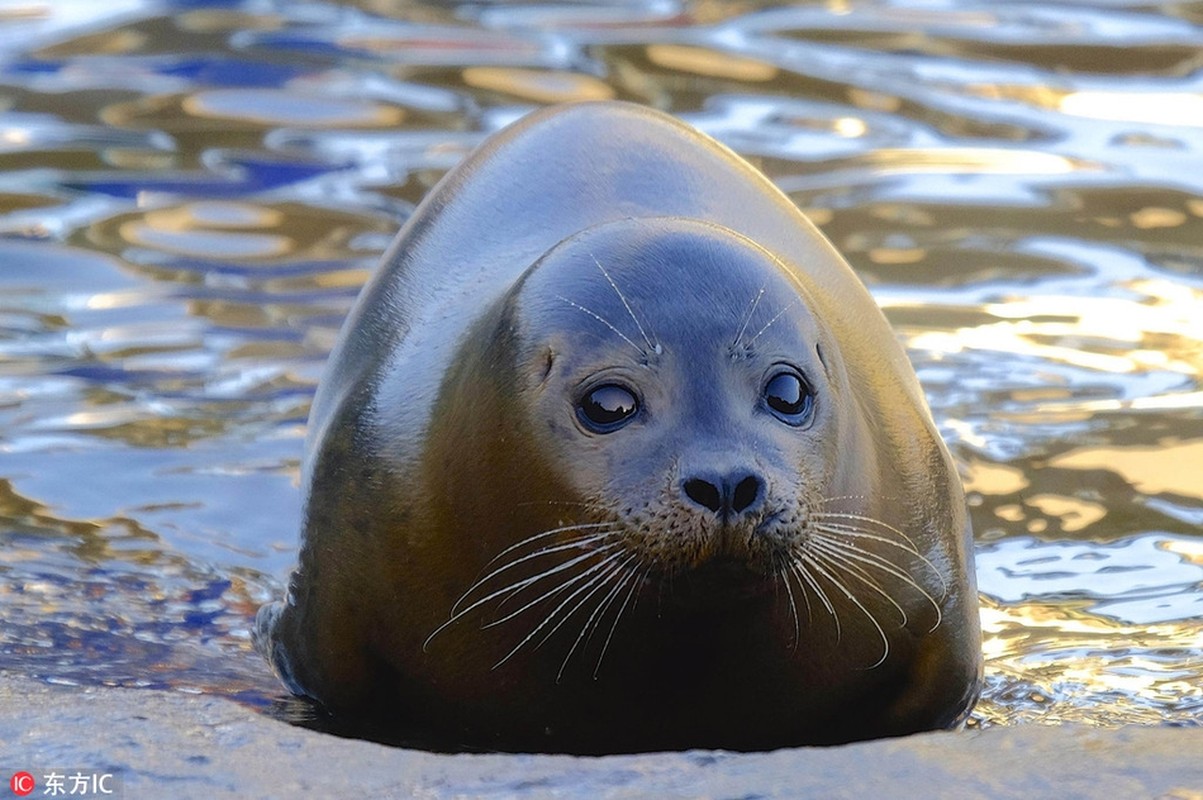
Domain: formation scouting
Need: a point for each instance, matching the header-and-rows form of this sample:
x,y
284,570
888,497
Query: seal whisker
x,y
598,582
588,534
605,322
835,557
636,581
799,568
849,550
836,498
783,577
594,582
876,496
518,587
859,532
818,559
578,543
829,538
748,317
854,532
654,347
769,324
805,598
545,534
509,591
561,587
826,515
590,626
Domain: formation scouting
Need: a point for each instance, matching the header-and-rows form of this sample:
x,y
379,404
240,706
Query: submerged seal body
x,y
615,453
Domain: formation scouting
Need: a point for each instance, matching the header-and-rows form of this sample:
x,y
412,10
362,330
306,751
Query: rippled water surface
x,y
191,194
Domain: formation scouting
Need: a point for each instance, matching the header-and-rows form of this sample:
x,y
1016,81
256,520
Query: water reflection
x,y
191,195
538,86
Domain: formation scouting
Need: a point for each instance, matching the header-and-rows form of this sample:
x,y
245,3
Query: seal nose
x,y
725,495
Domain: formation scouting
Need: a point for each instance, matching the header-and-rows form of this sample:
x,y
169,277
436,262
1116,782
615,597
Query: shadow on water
x,y
192,193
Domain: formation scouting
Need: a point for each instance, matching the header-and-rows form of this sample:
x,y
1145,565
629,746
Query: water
x,y
191,194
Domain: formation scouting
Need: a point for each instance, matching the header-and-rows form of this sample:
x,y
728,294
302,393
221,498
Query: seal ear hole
x,y
819,353
549,358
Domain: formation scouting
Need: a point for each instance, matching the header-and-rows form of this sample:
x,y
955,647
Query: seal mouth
x,y
718,580
727,568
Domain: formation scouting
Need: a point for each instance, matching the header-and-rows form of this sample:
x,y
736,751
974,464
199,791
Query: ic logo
x,y
22,784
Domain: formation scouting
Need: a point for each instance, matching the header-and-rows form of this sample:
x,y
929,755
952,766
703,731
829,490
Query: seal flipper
x,y
267,644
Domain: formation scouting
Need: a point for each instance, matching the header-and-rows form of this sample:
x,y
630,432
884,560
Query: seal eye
x,y
607,407
789,397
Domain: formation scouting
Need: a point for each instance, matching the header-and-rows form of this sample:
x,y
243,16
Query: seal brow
x,y
748,317
603,321
655,348
769,324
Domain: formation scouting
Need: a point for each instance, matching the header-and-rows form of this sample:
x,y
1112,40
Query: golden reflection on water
x,y
210,230
240,231
540,86
1055,658
1191,551
104,43
972,160
221,20
710,63
1074,514
17,11
1104,334
1170,109
1170,466
271,107
994,479
205,244
1148,218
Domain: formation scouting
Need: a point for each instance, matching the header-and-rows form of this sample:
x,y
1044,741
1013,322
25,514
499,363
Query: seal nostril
x,y
725,496
704,493
746,493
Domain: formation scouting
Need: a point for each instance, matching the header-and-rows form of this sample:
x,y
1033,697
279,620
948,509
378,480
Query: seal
x,y
615,453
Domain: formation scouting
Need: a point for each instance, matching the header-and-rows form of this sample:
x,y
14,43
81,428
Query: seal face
x,y
645,470
688,427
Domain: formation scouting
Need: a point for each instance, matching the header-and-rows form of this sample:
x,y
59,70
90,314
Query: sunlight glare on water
x,y
191,194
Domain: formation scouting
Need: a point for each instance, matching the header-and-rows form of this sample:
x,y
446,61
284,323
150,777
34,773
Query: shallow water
x,y
191,194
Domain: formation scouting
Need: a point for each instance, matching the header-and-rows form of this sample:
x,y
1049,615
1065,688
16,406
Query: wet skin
x,y
615,453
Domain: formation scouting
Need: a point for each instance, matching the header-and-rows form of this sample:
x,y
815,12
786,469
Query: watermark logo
x,y
22,784
68,783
